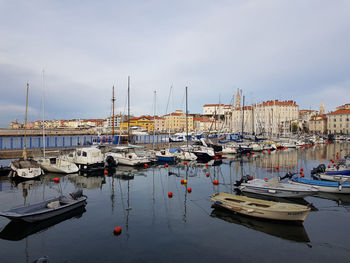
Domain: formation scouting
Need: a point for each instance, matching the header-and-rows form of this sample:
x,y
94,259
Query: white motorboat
x,y
25,169
274,187
57,165
185,155
124,155
229,149
166,155
87,159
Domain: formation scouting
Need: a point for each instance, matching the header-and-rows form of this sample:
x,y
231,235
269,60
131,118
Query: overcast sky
x,y
271,49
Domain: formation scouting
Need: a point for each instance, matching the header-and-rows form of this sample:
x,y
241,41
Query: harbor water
x,y
184,228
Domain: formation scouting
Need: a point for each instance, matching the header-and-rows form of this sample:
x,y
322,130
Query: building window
x,y
335,126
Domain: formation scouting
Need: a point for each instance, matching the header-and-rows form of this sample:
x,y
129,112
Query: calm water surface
x,y
184,228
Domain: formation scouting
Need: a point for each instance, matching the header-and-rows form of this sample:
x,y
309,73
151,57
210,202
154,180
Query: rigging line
x,y
167,106
205,211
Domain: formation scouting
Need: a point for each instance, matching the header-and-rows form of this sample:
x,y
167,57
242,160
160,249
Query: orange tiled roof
x,y
339,112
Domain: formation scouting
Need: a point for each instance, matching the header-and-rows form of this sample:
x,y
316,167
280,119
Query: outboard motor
x,y
319,169
244,179
110,161
77,194
288,175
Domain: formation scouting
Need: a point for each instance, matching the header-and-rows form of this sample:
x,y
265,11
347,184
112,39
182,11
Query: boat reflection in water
x,y
340,199
17,230
286,230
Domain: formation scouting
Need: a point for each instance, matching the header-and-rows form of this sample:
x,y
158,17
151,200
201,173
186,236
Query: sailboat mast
x,y
154,115
44,113
243,116
186,119
128,109
25,127
113,100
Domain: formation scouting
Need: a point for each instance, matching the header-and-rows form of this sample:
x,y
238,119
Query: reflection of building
x,y
91,182
339,121
285,160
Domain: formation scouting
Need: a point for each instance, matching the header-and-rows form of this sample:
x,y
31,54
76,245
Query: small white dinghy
x,y
273,187
261,208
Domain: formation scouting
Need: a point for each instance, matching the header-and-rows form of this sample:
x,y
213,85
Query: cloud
x,y
269,49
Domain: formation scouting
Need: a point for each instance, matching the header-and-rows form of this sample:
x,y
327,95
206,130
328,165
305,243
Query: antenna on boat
x,y
25,127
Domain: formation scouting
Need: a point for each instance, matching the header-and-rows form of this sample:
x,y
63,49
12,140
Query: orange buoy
x,y
189,189
251,177
170,194
105,172
185,163
146,165
117,230
207,174
182,181
166,165
253,153
56,180
206,164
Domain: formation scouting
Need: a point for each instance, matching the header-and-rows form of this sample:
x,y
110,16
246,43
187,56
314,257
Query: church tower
x,y
322,108
238,100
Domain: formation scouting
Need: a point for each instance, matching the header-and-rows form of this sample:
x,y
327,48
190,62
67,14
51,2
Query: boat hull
x,y
324,186
260,208
45,213
277,192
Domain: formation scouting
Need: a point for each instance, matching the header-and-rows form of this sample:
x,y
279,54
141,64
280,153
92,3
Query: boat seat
x,y
53,204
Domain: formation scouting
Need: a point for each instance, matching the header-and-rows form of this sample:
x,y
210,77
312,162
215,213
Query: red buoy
x,y
248,154
56,180
117,230
334,165
302,175
207,174
253,153
166,165
206,164
301,169
265,179
251,177
263,152
146,165
185,163
189,189
182,181
277,167
216,157
105,172
170,194
329,166
215,182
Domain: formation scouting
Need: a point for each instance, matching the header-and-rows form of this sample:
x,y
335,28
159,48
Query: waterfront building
x,y
143,122
176,121
344,107
202,124
304,119
108,122
216,109
318,124
15,125
159,124
322,109
339,120
272,117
